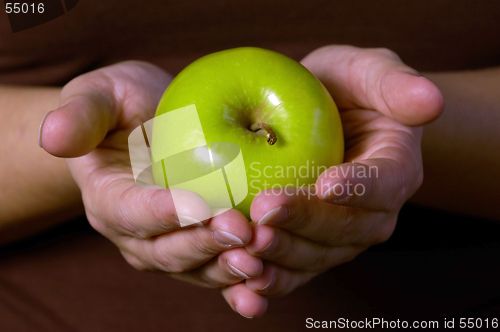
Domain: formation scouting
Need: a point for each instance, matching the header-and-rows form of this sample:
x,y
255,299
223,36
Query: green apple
x,y
279,114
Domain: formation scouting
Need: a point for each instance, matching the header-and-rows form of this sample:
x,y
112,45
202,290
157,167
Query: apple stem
x,y
271,136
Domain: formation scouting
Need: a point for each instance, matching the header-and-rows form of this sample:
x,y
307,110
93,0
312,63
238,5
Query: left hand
x,y
381,101
91,128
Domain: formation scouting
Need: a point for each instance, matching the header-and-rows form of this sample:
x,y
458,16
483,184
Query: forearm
x,y
461,149
36,189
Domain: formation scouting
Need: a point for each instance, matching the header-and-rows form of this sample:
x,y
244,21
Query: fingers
x,y
319,221
386,167
374,184
80,124
278,281
230,267
144,213
93,104
244,301
376,79
185,253
189,248
294,252
305,216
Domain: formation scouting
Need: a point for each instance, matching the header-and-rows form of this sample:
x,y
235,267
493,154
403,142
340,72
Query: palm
x,y
380,101
100,110
369,134
136,91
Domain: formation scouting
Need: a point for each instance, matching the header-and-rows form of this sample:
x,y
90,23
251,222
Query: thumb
x,y
79,124
121,96
376,79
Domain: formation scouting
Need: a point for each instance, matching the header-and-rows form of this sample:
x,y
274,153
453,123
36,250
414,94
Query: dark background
x,y
436,265
38,12
429,35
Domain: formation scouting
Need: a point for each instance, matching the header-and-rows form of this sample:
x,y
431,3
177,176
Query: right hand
x,y
381,101
97,112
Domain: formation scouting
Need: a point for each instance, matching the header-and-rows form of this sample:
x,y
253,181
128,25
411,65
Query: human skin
x,y
300,236
461,148
37,190
243,297
97,112
105,105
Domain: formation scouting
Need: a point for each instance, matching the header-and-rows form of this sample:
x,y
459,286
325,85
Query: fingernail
x,y
227,239
41,128
269,284
274,216
237,272
337,194
242,314
271,246
176,218
188,221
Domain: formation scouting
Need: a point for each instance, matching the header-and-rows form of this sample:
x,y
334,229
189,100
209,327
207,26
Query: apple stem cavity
x,y
259,127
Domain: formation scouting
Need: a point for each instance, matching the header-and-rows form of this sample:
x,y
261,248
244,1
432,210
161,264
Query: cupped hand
x,y
97,112
381,102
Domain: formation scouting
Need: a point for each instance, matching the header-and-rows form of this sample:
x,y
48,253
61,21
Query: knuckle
x,y
419,179
134,262
175,268
384,53
126,219
214,284
204,248
128,227
97,224
385,231
345,228
160,205
163,259
398,199
211,283
320,260
349,257
278,254
405,190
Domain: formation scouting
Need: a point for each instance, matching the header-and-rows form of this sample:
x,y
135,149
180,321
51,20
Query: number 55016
x,y
17,8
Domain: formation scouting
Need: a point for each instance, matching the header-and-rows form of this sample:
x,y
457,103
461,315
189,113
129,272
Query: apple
x,y
279,114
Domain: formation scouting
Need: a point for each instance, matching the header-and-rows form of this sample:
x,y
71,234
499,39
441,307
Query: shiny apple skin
x,y
236,88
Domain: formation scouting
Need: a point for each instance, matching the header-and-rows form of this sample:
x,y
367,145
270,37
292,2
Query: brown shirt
x,y
427,34
80,282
